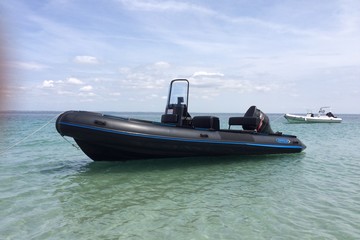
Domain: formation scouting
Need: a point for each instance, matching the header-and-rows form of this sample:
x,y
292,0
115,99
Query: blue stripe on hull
x,y
179,139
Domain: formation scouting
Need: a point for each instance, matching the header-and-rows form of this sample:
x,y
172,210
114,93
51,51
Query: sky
x,y
120,55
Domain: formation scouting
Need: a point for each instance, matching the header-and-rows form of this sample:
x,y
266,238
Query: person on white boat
x,y
330,114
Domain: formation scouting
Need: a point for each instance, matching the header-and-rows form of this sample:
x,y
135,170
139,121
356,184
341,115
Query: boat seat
x,y
177,113
250,121
206,122
254,119
169,118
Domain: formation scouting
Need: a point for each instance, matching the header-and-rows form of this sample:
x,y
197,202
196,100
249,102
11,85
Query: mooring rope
x,y
277,118
31,134
72,144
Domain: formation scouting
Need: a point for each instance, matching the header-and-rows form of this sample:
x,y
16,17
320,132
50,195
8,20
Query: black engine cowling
x,y
264,126
262,122
254,119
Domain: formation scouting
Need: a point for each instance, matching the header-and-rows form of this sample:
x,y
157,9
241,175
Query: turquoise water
x,y
51,190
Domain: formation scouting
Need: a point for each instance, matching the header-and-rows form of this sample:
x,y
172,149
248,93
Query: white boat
x,y
321,117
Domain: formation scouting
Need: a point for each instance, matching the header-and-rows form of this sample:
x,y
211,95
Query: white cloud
x,y
155,5
157,66
48,84
32,66
161,64
150,76
86,88
115,94
124,70
349,16
207,74
90,94
65,92
86,60
75,81
263,88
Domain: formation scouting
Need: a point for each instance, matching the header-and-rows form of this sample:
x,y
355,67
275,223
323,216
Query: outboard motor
x,y
264,125
261,121
254,119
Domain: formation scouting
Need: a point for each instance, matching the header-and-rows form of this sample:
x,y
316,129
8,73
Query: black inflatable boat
x,y
110,138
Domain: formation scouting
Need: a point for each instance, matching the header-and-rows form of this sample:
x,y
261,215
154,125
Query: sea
x,y
51,190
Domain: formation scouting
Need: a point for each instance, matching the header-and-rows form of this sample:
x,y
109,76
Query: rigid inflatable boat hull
x,y
109,138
